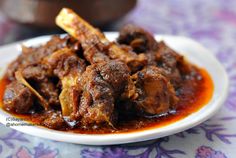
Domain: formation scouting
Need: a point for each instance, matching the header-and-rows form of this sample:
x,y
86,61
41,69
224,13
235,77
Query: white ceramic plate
x,y
192,50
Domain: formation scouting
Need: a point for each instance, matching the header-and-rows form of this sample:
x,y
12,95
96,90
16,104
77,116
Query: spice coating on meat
x,y
18,98
140,40
53,120
34,55
102,83
156,95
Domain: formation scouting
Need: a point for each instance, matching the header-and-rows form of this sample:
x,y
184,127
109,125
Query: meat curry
x,y
83,82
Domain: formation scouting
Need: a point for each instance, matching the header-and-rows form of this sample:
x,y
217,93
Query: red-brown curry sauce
x,y
190,101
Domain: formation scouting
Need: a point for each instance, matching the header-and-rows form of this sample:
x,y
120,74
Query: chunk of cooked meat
x,y
102,84
140,40
34,55
17,98
173,65
53,120
168,60
49,91
35,73
156,95
64,62
116,73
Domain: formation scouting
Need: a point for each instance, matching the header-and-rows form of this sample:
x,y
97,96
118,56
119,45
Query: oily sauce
x,y
192,98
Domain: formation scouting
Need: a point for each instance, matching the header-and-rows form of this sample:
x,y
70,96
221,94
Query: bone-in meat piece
x,y
90,37
68,67
140,40
156,95
102,84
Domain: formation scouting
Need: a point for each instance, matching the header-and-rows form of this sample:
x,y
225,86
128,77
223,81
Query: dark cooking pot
x,y
42,12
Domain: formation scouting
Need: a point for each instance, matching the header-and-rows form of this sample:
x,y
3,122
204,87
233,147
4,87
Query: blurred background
x,y
20,19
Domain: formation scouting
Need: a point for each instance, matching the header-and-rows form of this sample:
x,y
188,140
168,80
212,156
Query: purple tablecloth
x,y
212,23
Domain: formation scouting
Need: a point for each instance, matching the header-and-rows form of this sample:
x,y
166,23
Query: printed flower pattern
x,y
11,138
207,152
147,150
38,152
212,131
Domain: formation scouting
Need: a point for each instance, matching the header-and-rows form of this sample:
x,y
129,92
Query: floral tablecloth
x,y
212,23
